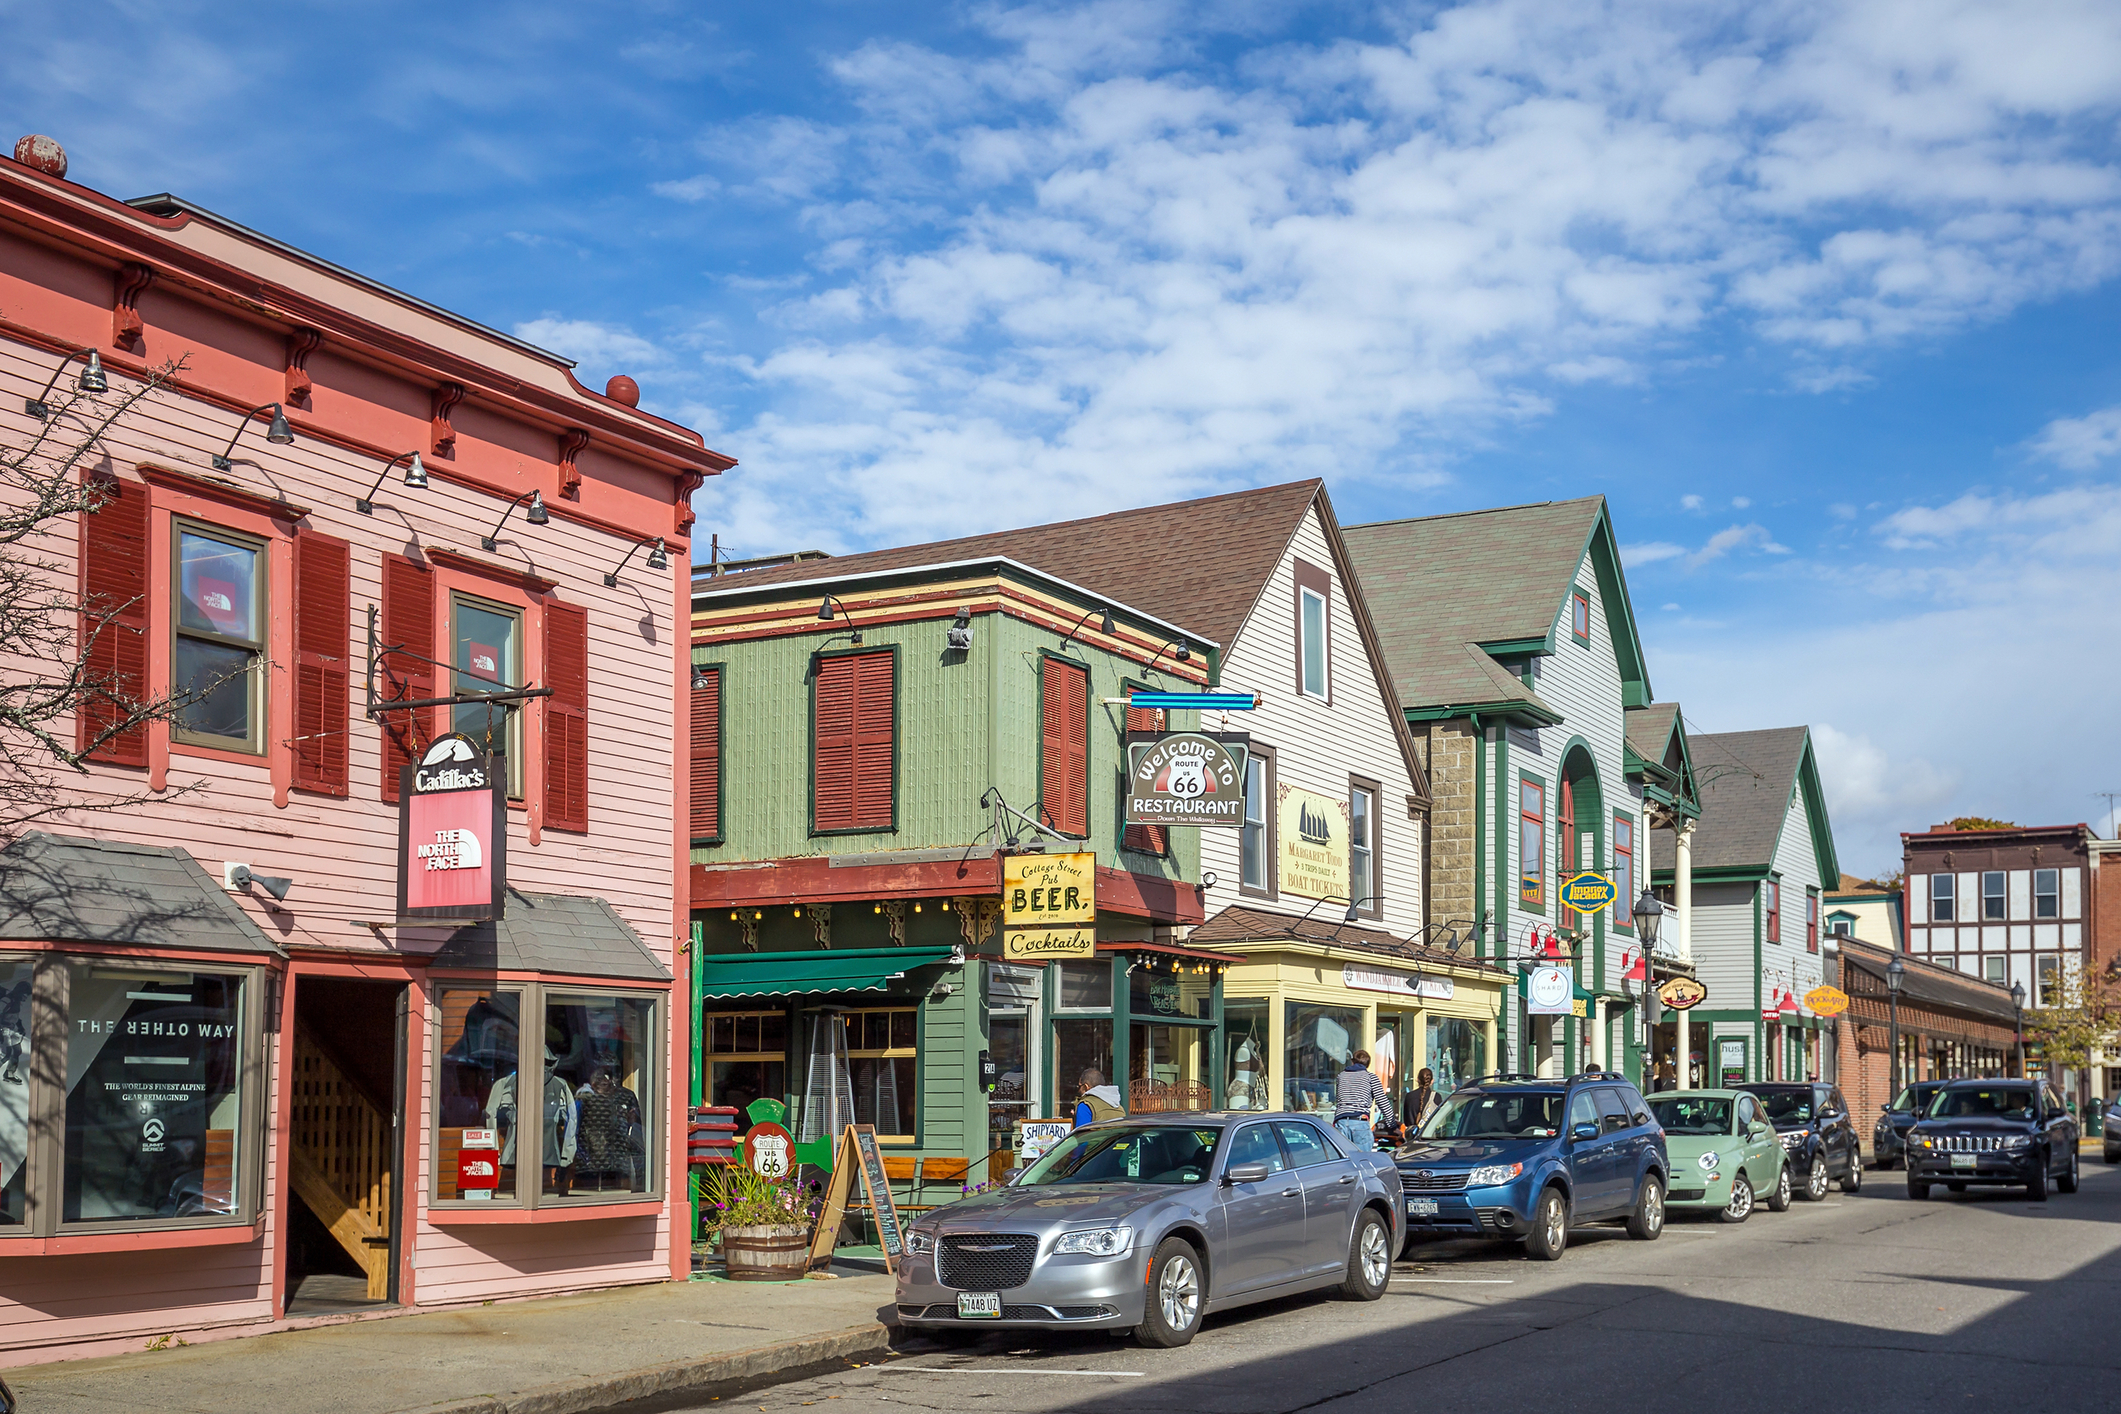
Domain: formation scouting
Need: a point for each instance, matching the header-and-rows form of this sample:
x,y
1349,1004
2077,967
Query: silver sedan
x,y
1151,1223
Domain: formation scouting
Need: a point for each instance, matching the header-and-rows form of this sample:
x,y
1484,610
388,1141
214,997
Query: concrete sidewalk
x,y
554,1355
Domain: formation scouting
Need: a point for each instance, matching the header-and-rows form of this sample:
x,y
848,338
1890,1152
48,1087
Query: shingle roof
x,y
1438,583
1650,729
1234,925
61,889
1744,780
560,934
1199,564
1924,981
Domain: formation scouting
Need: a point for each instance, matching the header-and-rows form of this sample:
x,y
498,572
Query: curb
x,y
680,1377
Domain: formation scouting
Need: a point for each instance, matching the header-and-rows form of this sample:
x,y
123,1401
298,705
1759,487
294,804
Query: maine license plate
x,y
1421,1207
1962,1161
979,1305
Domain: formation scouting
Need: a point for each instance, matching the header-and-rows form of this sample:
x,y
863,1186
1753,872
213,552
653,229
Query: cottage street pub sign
x,y
452,834
1049,906
1186,778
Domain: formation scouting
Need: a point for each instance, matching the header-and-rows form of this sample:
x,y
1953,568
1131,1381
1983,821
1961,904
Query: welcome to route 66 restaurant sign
x,y
1186,778
452,834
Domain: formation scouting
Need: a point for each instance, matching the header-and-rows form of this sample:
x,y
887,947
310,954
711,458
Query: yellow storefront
x,y
1307,995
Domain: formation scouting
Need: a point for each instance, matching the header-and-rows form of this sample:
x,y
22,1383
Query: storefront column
x,y
1216,1042
1488,1038
1683,918
1599,1037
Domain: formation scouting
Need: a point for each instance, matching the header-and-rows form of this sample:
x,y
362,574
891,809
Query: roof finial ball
x,y
622,389
43,153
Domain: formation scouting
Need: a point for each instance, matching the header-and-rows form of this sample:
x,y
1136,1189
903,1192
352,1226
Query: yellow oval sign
x,y
1827,1001
1682,993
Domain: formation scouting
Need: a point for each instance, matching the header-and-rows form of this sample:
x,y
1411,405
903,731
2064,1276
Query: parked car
x,y
1531,1157
1725,1156
2110,1148
1818,1134
1152,1223
1889,1136
1990,1132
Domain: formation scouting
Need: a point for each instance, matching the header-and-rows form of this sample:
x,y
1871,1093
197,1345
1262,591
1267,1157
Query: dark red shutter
x,y
1064,748
408,624
323,676
707,754
1146,839
114,623
855,751
567,717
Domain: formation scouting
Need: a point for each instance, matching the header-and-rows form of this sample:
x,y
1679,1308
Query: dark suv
x,y
1818,1136
1889,1139
1527,1156
1989,1132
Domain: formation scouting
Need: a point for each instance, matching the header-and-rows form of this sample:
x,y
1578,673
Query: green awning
x,y
790,974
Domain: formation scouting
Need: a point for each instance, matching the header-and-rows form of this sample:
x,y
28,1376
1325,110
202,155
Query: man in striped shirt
x,y
1355,1093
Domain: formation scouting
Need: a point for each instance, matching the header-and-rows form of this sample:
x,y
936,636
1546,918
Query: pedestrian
x,y
1663,1078
1096,1100
1422,1100
1355,1094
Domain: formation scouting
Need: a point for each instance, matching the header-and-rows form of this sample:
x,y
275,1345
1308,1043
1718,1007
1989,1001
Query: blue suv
x,y
1530,1157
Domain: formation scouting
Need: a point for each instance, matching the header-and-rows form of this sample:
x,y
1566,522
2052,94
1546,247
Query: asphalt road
x,y
1865,1302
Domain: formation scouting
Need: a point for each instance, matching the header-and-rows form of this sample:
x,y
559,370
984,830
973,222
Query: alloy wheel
x,y
1815,1181
1376,1255
1741,1204
1178,1292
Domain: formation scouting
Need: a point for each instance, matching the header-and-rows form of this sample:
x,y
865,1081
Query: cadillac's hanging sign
x,y
452,834
1186,778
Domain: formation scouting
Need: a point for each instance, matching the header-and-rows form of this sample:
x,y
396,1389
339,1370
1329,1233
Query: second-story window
x,y
1994,907
2047,893
706,778
1256,869
219,638
488,658
854,727
1531,845
1771,904
1314,618
1580,617
1064,746
1623,872
1941,898
1811,920
1146,839
1363,884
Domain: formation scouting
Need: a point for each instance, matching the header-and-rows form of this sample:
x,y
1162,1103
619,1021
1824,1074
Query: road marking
x,y
963,1370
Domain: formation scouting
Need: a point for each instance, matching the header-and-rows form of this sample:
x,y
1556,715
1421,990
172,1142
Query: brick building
x,y
1950,1025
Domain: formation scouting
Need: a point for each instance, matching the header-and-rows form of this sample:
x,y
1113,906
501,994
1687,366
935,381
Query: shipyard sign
x,y
1186,778
452,834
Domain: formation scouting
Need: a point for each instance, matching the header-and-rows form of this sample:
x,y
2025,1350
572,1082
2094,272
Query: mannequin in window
x,y
559,1118
1247,1078
14,1031
611,1141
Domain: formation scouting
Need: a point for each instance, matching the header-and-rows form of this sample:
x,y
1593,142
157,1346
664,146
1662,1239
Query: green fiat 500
x,y
1725,1156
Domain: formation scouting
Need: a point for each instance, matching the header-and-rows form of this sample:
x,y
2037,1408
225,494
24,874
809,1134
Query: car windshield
x,y
2001,1102
1786,1106
1506,1114
1177,1154
1692,1115
1916,1098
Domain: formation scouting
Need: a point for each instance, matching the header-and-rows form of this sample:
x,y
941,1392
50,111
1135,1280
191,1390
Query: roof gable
x,y
1657,749
1746,781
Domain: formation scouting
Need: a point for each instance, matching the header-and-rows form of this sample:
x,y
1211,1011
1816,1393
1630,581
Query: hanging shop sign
x,y
1588,892
1049,906
452,834
1681,993
1359,978
1550,991
1314,846
1827,1001
1186,778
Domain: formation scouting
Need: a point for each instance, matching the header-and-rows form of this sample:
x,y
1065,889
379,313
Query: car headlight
x,y
1488,1175
1096,1241
2018,1141
1709,1161
1923,1140
919,1243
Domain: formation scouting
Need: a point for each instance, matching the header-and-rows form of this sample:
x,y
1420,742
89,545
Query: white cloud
x,y
1650,552
1690,503
2080,443
1841,510
1741,502
1671,608
588,342
1867,788
1753,536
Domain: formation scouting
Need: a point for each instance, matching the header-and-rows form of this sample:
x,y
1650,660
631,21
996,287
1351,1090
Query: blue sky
x,y
1822,296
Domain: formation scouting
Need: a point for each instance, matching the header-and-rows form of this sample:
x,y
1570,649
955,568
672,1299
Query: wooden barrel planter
x,y
777,1253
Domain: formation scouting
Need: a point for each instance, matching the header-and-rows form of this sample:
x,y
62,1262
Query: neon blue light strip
x,y
1195,701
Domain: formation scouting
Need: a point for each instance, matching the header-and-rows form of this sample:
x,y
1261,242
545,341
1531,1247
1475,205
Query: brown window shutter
x,y
408,624
567,717
114,623
1146,839
706,754
323,614
855,750
1064,754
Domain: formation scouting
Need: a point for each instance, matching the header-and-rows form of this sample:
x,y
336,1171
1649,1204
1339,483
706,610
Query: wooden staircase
x,y
340,1161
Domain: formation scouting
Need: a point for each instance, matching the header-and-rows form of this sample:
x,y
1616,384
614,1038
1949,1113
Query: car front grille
x,y
985,1262
941,1312
1968,1143
1429,1181
1687,1195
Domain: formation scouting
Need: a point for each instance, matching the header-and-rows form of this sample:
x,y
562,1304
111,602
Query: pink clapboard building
x,y
222,1110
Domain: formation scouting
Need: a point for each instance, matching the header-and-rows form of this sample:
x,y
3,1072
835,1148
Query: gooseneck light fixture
x,y
824,614
1105,625
90,381
415,477
277,432
657,560
1184,653
535,515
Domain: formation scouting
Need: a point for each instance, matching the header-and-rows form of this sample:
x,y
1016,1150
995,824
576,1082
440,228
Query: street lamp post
x,y
2018,1023
1895,974
1649,918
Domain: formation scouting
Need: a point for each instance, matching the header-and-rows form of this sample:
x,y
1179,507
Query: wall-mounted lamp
x,y
657,560
824,613
415,477
277,432
239,876
1184,653
701,680
90,381
534,516
1104,625
959,636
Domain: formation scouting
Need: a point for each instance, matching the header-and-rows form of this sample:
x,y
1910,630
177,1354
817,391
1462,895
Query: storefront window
x,y
1317,1043
599,1100
1457,1052
15,977
1153,992
747,1058
476,1084
1164,1062
1085,986
1245,1043
883,1063
1009,1047
1079,1044
154,1066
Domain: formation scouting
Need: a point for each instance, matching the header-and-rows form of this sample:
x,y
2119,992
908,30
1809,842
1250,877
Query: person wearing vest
x,y
1422,1100
1097,1099
1355,1094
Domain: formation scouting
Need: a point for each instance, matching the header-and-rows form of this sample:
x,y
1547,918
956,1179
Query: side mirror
x,y
1584,1131
1011,1175
1887,1107
1245,1173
